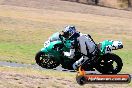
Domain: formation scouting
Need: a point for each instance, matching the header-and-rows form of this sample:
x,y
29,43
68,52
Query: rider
x,y
86,45
70,33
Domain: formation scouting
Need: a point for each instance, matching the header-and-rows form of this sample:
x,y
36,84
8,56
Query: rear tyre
x,y
44,61
109,64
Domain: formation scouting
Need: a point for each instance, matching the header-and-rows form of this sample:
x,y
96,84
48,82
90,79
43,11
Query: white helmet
x,y
69,31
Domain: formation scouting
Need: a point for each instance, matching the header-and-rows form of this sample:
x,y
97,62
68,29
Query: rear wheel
x,y
44,61
109,64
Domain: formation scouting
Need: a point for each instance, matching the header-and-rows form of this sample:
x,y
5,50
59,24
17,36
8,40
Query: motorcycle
x,y
106,62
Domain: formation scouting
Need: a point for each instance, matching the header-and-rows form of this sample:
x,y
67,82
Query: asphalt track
x,y
35,66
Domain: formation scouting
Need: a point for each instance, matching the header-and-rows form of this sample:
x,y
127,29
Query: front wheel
x,y
45,61
109,64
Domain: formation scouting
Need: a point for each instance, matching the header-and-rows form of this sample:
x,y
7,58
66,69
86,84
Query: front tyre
x,y
109,64
44,61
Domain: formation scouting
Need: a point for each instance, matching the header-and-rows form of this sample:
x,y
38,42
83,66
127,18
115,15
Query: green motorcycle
x,y
52,56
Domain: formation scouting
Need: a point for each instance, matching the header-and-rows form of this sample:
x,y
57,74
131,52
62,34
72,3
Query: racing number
x,y
108,49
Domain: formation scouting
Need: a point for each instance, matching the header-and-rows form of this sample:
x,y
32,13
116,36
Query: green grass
x,y
21,39
17,52
21,46
126,57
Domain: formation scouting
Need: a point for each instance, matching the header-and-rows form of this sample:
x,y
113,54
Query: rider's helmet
x,y
68,31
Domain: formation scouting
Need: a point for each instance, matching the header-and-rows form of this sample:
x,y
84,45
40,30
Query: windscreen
x,y
54,37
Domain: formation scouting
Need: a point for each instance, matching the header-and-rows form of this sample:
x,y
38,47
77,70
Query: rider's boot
x,y
79,62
